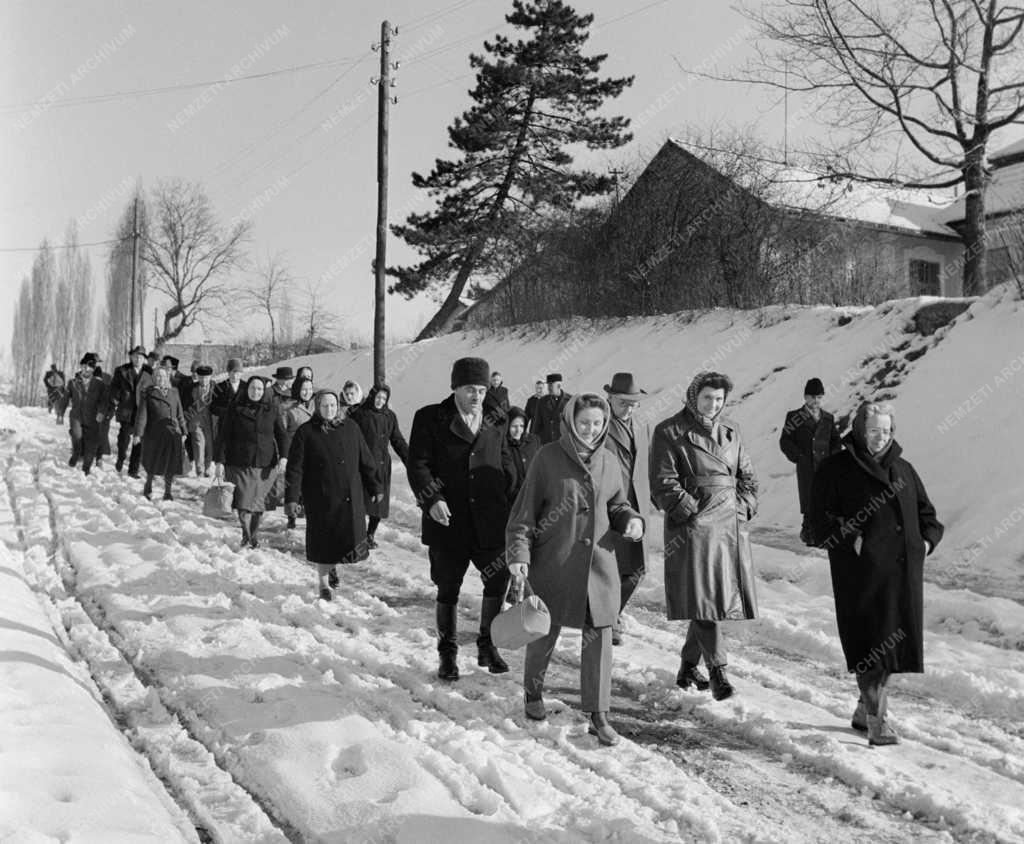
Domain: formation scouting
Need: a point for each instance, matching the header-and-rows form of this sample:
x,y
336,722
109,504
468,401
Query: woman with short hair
x,y
702,478
300,412
329,466
559,540
249,452
872,514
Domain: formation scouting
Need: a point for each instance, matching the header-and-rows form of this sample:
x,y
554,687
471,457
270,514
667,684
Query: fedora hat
x,y
138,350
284,372
624,384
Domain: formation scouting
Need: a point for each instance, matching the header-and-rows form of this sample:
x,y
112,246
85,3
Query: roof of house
x,y
1005,193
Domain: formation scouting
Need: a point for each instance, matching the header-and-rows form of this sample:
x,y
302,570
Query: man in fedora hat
x,y
456,472
199,420
281,392
170,363
550,409
227,392
629,440
88,410
809,435
127,387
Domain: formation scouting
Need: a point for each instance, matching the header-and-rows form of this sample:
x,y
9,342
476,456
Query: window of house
x,y
924,278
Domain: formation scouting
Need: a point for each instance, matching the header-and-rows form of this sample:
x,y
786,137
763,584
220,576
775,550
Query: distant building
x,y
213,354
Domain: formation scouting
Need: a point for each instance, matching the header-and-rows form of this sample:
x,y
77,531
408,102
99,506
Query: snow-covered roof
x,y
1005,193
902,208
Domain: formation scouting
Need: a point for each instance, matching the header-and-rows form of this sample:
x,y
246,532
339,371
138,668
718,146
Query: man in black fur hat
x,y
455,470
549,410
809,435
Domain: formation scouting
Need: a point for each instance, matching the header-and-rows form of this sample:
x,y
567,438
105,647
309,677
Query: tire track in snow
x,y
220,809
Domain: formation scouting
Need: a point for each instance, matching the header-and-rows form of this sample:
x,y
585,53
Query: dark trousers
x,y
85,442
124,439
704,638
448,567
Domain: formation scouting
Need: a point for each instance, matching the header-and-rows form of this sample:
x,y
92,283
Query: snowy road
x,y
270,716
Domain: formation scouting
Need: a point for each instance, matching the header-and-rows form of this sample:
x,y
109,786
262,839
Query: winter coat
x,y
224,397
532,411
447,463
519,455
879,591
160,422
252,435
88,398
198,416
126,391
380,429
328,469
708,493
806,443
297,416
499,395
563,526
549,417
56,385
632,458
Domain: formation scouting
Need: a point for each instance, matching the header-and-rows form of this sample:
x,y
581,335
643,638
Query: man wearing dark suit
x,y
88,410
533,408
629,440
455,468
127,386
808,436
550,409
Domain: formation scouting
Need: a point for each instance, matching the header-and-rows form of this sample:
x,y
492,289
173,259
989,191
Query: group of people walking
x,y
554,498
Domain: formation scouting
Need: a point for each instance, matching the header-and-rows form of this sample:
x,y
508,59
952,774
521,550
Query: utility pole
x,y
135,264
384,100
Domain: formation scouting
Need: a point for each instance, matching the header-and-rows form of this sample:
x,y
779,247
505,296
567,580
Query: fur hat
x,y
554,377
814,387
470,371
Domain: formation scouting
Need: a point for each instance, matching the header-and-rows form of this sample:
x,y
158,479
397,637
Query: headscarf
x,y
699,382
244,399
359,394
584,450
297,387
516,413
317,420
370,396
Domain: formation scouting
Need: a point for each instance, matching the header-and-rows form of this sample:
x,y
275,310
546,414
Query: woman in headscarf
x,y
872,514
702,478
559,539
250,447
329,466
300,412
522,448
379,425
304,372
351,396
160,427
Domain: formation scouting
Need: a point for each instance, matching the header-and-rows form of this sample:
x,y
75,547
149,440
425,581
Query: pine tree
x,y
534,99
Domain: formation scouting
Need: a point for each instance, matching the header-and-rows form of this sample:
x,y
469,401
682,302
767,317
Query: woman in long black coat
x,y
872,514
329,466
249,449
379,425
522,448
160,426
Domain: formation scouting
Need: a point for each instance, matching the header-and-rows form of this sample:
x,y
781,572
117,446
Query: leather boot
x,y
147,488
691,676
486,654
447,644
859,719
721,688
880,733
604,731
168,496
254,526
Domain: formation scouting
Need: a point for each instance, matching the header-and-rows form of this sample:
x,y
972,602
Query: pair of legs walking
x,y
448,568
250,522
631,572
872,706
147,488
595,676
85,444
704,639
125,449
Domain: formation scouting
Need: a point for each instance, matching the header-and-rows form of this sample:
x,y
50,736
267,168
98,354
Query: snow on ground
x,y
269,715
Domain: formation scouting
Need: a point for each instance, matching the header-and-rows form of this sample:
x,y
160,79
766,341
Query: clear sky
x,y
301,165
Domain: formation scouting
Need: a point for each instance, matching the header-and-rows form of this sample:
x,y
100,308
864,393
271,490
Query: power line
x,y
62,246
166,89
630,14
423,20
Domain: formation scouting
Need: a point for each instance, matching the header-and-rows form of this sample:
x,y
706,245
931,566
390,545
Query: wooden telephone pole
x,y
384,100
135,265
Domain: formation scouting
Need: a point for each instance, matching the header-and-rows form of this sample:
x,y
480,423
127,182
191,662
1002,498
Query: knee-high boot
x,y
447,644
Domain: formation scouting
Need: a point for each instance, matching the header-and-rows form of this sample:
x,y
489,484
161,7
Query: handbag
x,y
217,501
525,621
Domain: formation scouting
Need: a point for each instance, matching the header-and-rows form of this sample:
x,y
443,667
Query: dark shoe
x,y
147,489
487,656
168,496
448,666
119,465
332,578
326,594
859,720
721,688
616,636
72,461
600,727
535,709
134,474
291,522
99,462
370,541
254,542
689,675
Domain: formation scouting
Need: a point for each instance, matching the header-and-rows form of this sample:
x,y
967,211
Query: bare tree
x,y
269,293
317,318
117,316
73,317
34,324
190,256
937,76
